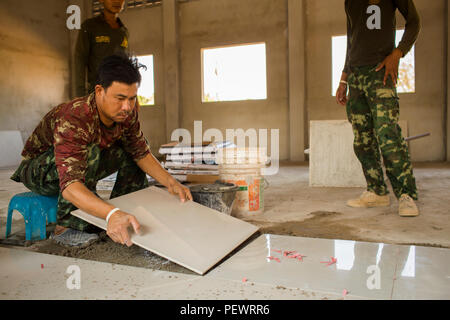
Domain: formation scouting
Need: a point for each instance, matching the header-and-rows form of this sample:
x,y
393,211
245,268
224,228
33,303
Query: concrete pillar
x,y
297,72
171,66
448,82
86,13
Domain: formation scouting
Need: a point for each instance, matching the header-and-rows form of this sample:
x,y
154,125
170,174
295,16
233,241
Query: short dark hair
x,y
120,68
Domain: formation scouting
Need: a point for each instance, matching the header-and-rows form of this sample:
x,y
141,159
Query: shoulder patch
x,y
102,39
124,42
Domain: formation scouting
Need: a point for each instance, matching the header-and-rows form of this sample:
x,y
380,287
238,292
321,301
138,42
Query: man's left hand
x,y
174,187
391,64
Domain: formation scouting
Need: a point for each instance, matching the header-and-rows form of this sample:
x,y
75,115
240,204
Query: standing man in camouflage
x,y
85,140
98,38
370,73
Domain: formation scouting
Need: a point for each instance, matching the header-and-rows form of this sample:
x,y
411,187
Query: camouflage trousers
x,y
40,176
373,111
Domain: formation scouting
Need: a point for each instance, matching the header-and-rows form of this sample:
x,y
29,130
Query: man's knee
x,y
38,175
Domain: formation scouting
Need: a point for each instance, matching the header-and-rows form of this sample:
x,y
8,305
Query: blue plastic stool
x,y
36,211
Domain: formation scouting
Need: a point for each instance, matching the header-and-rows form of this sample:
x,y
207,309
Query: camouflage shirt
x,y
71,127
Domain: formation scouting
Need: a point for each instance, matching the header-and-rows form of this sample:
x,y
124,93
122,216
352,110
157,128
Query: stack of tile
x,y
195,162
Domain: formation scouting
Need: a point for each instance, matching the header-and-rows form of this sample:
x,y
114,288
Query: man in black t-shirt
x,y
370,73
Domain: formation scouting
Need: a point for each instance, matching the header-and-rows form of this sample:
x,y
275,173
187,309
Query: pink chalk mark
x,y
300,257
273,258
286,253
244,279
329,263
345,292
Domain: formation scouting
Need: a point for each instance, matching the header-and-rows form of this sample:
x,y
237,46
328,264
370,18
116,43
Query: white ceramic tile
x,y
23,278
349,273
189,234
30,275
422,273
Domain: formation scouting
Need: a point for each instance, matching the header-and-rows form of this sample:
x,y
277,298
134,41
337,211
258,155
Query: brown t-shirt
x,y
371,27
71,127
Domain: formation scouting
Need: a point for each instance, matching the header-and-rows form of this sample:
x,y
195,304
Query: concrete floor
x,y
293,208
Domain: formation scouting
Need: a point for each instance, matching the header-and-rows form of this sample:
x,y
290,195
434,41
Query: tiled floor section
x,y
29,275
422,273
312,273
402,272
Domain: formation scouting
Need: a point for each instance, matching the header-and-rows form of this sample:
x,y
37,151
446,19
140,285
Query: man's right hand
x,y
341,94
117,228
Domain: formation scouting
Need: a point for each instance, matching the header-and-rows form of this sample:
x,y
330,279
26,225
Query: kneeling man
x,y
78,143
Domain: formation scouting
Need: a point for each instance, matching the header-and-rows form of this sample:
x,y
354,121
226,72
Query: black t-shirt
x,y
371,27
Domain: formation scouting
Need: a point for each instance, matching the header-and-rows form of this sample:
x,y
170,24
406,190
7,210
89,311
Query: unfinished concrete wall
x,y
85,13
34,61
448,83
146,37
204,24
424,109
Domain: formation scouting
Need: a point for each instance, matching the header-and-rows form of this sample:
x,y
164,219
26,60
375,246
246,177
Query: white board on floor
x,y
332,160
189,234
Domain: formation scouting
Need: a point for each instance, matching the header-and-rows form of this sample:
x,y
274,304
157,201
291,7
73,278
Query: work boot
x,y
407,207
74,238
369,200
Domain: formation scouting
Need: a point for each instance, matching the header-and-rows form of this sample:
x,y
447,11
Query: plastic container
x,y
242,167
219,196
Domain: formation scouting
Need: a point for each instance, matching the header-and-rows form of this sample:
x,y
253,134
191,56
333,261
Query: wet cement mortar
x,y
105,250
320,224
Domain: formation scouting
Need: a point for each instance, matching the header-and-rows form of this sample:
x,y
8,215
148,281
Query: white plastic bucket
x,y
244,170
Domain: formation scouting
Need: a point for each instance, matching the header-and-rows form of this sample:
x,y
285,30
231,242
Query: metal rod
x,y
417,137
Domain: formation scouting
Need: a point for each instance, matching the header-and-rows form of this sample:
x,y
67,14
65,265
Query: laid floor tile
x,y
30,275
422,273
361,269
